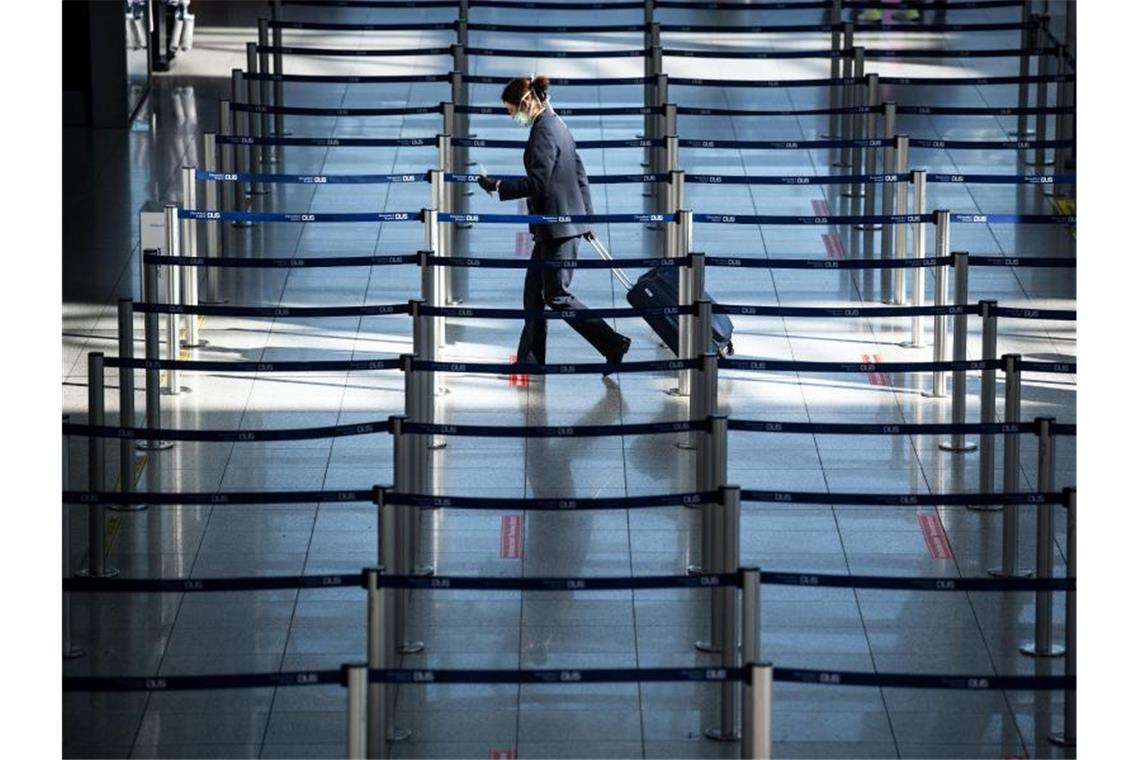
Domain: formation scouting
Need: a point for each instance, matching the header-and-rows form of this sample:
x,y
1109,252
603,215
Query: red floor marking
x,y
883,379
934,535
821,208
875,377
517,380
502,754
521,243
510,537
833,246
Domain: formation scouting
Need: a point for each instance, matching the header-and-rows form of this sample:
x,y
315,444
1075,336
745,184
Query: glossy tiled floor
x,y
109,174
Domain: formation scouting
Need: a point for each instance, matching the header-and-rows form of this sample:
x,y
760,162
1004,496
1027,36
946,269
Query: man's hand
x,y
489,184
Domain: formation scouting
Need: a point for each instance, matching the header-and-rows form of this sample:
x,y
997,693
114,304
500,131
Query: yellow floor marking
x,y
1066,207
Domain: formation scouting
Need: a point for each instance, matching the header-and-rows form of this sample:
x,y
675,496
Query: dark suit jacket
x,y
555,181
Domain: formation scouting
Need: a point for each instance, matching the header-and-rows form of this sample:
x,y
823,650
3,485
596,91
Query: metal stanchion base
x,y
73,651
284,133
868,227
127,507
213,301
399,734
1021,135
964,448
932,394
154,445
1060,740
983,508
1034,163
410,647
242,225
911,344
708,647
109,572
181,389
1030,650
437,445
424,570
685,445
694,570
852,194
997,572
677,392
202,343
719,736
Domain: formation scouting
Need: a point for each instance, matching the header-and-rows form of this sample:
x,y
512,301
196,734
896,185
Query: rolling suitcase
x,y
659,287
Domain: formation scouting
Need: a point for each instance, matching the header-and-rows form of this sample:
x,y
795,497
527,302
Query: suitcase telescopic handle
x,y
623,278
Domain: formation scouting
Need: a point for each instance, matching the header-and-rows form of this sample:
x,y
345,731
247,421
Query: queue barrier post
x,y
228,191
1067,737
253,122
666,162
423,347
848,63
461,32
413,412
279,129
890,189
380,705
712,525
238,129
459,59
654,93
70,649
685,300
988,412
941,297
873,100
698,324
1028,40
649,9
1044,64
126,404
151,352
441,202
355,680
188,246
958,443
173,386
96,472
749,651
214,193
856,121
702,405
728,729
1042,644
757,736
1011,473
835,20
918,236
464,10
902,190
267,152
407,531
431,280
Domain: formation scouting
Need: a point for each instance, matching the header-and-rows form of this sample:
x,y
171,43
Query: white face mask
x,y
522,119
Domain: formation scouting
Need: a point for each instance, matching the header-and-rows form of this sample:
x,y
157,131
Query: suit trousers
x,y
550,287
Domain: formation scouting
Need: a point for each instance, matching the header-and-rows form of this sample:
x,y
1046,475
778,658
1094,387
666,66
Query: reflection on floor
x,y
111,173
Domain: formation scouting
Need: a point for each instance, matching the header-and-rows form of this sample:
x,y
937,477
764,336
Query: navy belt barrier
x,y
574,110
310,179
666,365
552,431
229,262
901,499
350,52
781,365
747,263
212,310
596,179
1018,261
838,81
218,498
313,111
331,142
242,436
464,142
562,81
445,216
588,583
346,78
549,505
350,365
488,52
274,216
1000,26
374,3
489,313
341,27
485,263
529,28
875,142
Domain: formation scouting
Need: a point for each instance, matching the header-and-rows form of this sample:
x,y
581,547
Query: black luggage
x,y
659,287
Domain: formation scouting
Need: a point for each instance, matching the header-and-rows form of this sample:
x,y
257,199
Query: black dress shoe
x,y
617,356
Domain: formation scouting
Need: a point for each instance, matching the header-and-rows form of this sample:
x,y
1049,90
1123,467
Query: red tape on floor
x,y
502,754
934,535
510,537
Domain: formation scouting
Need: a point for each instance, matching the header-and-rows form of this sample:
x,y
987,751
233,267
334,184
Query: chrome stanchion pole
x,y
96,473
712,525
355,680
214,192
152,354
239,121
412,411
267,156
958,442
700,325
278,74
847,56
749,615
1011,472
1042,97
886,239
407,535
729,562
253,99
1028,40
702,405
918,235
856,120
227,157
188,246
1042,644
423,346
988,403
757,744
835,21
70,650
902,190
685,349
127,405
873,102
941,297
431,283
1067,737
666,158
173,293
